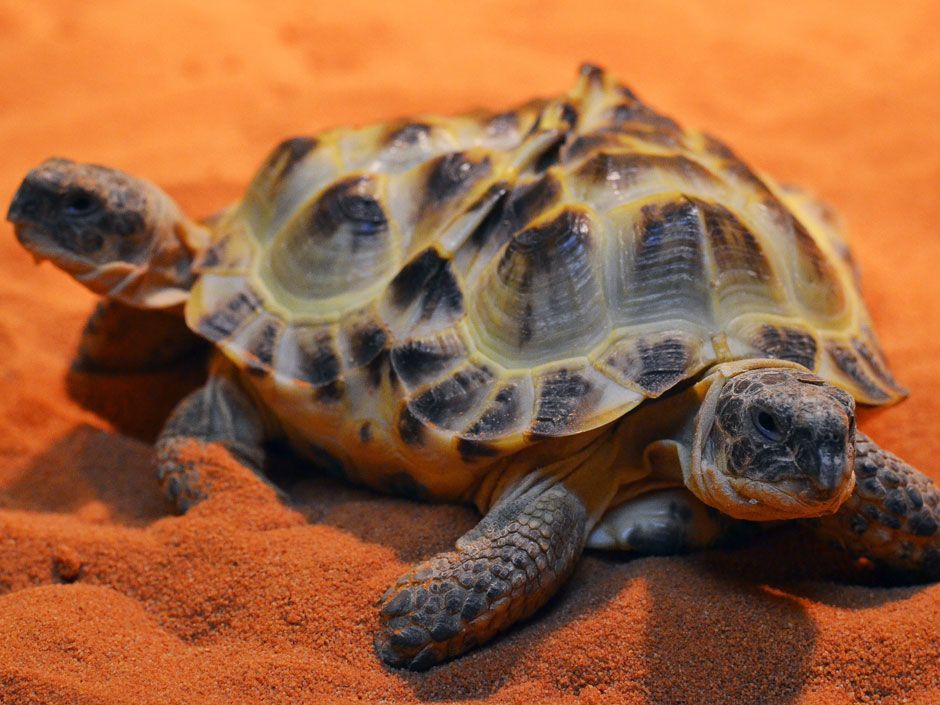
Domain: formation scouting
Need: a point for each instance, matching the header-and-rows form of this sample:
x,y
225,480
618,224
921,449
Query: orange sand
x,y
107,598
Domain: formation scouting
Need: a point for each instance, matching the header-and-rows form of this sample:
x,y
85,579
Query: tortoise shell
x,y
470,284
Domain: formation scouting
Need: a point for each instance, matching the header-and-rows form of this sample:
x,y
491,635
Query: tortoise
x,y
602,330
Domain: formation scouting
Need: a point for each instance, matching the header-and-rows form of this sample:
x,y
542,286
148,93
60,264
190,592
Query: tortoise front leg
x,y
892,517
500,572
218,414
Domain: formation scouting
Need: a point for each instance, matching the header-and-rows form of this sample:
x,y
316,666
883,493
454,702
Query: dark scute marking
x,y
668,255
569,114
365,432
326,461
348,203
845,359
633,111
449,399
785,343
876,362
654,365
404,485
811,253
471,450
289,153
550,156
317,360
500,417
562,403
407,135
733,244
717,147
262,345
450,176
223,322
518,209
212,256
365,343
330,393
627,168
418,361
427,277
568,234
410,427
375,368
564,242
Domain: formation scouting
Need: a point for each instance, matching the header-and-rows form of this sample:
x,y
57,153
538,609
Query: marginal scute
x,y
565,399
365,340
506,412
261,341
786,342
654,362
449,401
870,351
309,354
420,361
854,369
228,305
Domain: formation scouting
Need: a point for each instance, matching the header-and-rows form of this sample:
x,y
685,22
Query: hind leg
x,y
661,523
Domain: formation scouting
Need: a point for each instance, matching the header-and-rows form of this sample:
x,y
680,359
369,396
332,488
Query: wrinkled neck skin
x,y
737,496
162,275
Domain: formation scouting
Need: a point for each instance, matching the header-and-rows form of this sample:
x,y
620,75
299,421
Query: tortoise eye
x,y
767,426
79,203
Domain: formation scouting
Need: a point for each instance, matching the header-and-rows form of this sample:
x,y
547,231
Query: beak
x,y
25,204
831,469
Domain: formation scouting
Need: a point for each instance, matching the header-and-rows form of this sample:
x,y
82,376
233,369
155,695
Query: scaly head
x,y
773,442
119,235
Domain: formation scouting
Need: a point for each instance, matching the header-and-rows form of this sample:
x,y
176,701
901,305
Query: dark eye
x,y
79,203
767,425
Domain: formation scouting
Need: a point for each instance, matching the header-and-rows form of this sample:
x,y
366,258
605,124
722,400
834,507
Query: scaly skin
x,y
501,572
217,413
892,518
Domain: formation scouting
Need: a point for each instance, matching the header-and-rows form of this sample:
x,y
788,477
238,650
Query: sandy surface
x,y
105,597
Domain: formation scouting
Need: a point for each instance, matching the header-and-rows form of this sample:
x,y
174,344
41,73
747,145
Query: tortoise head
x,y
773,441
119,235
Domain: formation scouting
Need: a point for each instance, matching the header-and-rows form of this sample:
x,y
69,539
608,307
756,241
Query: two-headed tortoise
x,y
600,329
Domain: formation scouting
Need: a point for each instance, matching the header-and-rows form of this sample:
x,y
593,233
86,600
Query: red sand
x,y
106,598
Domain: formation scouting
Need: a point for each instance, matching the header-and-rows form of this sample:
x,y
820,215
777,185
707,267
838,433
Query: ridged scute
x,y
470,284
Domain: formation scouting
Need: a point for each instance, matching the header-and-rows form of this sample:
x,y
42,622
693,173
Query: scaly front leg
x,y
892,517
501,571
